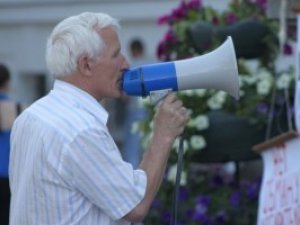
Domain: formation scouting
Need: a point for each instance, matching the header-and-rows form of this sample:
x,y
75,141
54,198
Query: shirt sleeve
x,y
93,165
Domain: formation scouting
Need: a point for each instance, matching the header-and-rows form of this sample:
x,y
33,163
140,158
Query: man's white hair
x,y
73,37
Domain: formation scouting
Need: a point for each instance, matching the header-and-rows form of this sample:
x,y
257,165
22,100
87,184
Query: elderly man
x,y
65,167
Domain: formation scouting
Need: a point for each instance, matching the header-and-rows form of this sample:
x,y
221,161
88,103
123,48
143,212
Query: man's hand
x,y
170,118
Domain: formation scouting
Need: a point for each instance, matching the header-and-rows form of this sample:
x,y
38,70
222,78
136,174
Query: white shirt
x,y
65,168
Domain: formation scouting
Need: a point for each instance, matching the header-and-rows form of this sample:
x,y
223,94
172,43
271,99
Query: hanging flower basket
x,y
231,138
249,37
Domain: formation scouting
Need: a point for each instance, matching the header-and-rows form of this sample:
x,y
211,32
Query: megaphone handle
x,y
174,212
158,95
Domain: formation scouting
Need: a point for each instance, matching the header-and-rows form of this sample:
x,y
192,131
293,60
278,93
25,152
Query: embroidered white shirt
x,y
65,168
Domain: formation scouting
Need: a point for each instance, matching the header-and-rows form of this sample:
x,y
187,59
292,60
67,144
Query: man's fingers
x,y
171,97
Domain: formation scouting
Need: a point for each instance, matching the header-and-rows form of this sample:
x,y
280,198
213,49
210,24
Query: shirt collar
x,y
82,99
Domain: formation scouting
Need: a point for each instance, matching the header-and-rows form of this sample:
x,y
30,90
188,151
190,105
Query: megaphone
x,y
214,70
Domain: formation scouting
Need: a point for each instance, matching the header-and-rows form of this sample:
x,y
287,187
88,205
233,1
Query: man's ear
x,y
85,65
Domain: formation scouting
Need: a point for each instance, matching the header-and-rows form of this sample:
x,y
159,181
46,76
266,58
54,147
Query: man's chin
x,y
123,94
118,94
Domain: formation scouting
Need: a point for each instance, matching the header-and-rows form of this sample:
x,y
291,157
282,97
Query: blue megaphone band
x,y
140,81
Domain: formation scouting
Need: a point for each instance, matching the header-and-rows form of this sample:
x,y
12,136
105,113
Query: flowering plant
x,y
203,201
259,78
210,198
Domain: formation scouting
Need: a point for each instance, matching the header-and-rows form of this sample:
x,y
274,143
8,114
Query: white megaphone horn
x,y
214,70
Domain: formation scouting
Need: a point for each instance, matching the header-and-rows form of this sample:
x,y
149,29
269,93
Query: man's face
x,y
107,74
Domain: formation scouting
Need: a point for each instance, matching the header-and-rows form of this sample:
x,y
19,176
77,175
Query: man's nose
x,y
125,64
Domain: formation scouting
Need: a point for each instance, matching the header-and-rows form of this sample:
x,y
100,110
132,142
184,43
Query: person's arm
x,y
169,123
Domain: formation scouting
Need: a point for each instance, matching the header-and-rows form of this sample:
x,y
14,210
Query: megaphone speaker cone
x,y
214,70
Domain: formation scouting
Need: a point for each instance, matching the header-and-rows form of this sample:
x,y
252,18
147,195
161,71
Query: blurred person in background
x,y
132,148
65,168
8,112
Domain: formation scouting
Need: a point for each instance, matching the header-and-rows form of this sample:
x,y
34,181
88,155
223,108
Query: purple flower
x,y
215,20
287,49
221,217
235,199
252,191
194,4
183,194
166,216
203,200
262,4
162,53
201,207
262,108
179,13
203,218
217,180
231,18
170,37
163,19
